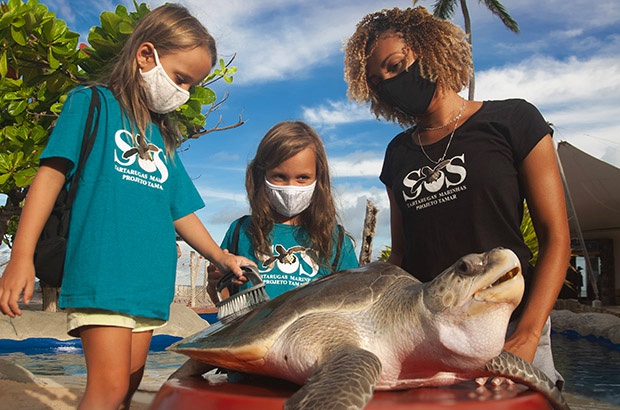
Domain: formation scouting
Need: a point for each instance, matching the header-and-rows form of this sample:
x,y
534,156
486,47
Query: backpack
x,y
51,248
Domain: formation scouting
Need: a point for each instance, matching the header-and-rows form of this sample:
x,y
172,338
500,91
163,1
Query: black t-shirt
x,y
473,201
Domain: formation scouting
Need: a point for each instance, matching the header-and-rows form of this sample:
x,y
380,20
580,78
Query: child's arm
x,y
18,276
196,235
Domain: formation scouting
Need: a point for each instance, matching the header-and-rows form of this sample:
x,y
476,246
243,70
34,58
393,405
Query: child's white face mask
x,y
289,200
163,95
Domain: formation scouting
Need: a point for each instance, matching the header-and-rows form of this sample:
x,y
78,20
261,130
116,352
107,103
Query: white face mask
x,y
289,200
163,95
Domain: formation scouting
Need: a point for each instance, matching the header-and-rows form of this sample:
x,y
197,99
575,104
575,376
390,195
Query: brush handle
x,y
250,272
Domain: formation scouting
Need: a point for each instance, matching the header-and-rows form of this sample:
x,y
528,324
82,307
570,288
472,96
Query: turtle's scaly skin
x,y
375,327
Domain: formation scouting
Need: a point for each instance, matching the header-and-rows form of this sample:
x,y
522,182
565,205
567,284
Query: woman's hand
x,y
522,344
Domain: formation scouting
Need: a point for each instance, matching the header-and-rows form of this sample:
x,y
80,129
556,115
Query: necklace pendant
x,y
434,176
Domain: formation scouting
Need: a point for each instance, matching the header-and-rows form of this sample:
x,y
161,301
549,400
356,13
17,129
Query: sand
x,y
33,396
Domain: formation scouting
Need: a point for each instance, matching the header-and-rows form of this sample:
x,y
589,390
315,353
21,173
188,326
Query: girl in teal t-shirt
x,y
292,233
133,197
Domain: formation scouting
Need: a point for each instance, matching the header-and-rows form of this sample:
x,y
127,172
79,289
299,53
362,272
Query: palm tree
x,y
445,9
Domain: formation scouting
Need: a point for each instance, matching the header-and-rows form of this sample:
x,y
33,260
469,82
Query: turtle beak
x,y
502,281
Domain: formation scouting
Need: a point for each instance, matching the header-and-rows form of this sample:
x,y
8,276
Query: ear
x,y
145,56
410,56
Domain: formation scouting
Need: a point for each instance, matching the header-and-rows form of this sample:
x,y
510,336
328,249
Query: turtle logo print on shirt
x,y
426,187
294,260
139,160
143,150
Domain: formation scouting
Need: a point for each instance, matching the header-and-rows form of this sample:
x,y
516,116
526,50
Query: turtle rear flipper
x,y
515,368
345,380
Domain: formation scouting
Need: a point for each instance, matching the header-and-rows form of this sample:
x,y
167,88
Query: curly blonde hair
x,y
283,141
442,48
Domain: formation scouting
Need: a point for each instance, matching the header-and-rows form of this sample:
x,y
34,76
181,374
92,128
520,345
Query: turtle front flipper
x,y
192,368
515,368
345,380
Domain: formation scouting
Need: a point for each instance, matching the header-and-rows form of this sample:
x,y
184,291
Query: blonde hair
x,y
283,141
171,28
442,49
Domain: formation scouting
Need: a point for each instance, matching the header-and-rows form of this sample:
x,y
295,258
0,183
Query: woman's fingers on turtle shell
x,y
481,381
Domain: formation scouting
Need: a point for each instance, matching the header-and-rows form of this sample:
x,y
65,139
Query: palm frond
x,y
499,10
444,9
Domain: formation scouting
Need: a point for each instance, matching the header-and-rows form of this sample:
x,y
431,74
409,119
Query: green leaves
x,y
224,71
529,234
106,41
39,63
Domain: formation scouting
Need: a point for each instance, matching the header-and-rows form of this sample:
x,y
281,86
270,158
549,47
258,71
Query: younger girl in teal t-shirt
x,y
292,233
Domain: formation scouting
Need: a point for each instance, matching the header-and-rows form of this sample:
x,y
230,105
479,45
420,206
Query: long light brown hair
x,y
283,141
171,28
441,46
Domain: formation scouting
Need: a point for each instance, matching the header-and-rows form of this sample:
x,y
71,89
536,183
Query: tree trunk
x,y
368,234
467,22
49,298
194,265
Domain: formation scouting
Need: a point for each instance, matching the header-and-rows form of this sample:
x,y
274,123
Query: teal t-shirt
x,y
291,265
121,251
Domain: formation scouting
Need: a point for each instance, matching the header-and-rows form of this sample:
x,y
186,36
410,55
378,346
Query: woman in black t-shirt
x,y
458,178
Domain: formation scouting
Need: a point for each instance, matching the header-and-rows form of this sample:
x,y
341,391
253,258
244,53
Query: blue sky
x,y
566,61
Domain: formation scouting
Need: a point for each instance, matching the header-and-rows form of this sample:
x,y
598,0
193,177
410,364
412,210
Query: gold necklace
x,y
446,124
445,152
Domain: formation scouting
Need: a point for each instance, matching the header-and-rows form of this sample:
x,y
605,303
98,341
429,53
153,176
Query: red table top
x,y
271,394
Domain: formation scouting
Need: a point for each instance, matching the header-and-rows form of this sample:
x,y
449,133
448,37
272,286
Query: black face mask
x,y
408,92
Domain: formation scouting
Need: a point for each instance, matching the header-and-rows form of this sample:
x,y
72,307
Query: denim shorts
x,y
76,318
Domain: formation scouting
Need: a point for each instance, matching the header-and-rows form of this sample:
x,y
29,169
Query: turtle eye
x,y
463,266
467,267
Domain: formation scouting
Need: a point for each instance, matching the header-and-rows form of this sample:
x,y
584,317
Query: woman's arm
x,y
546,202
396,230
18,276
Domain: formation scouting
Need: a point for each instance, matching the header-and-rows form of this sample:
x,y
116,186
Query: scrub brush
x,y
244,301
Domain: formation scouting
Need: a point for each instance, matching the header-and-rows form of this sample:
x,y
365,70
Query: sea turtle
x,y
377,327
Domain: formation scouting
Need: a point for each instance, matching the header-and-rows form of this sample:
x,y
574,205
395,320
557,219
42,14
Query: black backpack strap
x,y
64,202
90,133
234,248
340,230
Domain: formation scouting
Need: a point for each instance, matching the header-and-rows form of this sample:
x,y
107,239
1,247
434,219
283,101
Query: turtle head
x,y
472,300
477,280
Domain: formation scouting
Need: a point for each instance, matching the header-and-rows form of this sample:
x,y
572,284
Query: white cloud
x,y
277,39
336,113
579,97
238,196
547,81
224,156
357,164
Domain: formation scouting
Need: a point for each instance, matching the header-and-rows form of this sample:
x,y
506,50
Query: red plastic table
x,y
199,394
